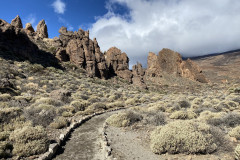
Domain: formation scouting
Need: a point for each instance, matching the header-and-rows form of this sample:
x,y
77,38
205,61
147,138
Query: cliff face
x,y
171,63
85,53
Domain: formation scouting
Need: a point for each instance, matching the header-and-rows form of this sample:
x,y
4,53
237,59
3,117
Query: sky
x,y
190,27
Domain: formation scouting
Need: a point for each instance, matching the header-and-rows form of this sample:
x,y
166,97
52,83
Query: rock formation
x,y
171,63
19,44
17,22
84,52
42,31
118,63
29,29
138,76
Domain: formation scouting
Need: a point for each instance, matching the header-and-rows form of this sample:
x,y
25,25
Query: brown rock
x,y
168,62
17,22
192,71
62,55
29,29
138,76
42,31
116,60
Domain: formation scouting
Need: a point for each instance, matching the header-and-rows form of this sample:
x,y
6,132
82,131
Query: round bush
x,y
29,141
123,119
185,137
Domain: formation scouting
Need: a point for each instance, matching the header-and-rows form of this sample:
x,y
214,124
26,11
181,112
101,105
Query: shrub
x,y
5,97
48,101
59,123
184,104
235,132
183,115
154,118
117,104
123,119
185,137
97,107
4,135
5,149
237,152
131,101
7,114
79,105
42,114
29,141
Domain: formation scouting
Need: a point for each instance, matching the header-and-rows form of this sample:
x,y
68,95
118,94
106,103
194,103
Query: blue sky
x,y
75,14
190,27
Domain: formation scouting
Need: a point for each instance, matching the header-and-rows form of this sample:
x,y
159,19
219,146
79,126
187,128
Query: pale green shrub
x,y
185,137
235,132
183,115
59,123
123,119
29,141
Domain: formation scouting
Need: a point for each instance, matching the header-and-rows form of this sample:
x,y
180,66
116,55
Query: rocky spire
x,y
42,31
29,29
17,22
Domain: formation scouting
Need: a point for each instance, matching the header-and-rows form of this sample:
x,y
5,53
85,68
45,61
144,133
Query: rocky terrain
x,y
173,109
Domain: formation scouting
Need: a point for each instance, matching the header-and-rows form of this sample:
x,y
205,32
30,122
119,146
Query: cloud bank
x,y
190,27
59,6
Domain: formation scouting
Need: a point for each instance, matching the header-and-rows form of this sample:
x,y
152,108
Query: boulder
x,y
17,22
42,31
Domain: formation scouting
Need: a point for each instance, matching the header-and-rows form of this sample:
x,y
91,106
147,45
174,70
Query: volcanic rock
x,y
84,52
138,76
17,22
42,31
118,63
171,63
29,29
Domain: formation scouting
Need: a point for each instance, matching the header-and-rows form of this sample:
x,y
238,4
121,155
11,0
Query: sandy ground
x,y
85,141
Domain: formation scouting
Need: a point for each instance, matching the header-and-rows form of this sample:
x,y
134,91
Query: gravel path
x,y
84,143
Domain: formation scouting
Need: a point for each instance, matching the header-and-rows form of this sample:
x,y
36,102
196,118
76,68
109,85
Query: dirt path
x,y
84,143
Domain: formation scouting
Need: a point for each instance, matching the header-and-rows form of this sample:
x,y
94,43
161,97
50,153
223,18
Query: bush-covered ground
x,y
181,124
39,102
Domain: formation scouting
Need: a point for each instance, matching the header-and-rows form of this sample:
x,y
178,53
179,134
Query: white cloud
x,y
59,6
189,27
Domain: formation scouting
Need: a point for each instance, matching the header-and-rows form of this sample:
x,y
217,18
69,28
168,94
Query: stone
x,y
29,29
168,62
17,22
42,31
116,60
138,76
61,55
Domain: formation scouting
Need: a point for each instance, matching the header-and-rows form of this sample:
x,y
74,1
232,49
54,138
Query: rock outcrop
x,y
17,22
16,43
84,52
42,31
29,29
138,76
171,63
118,63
